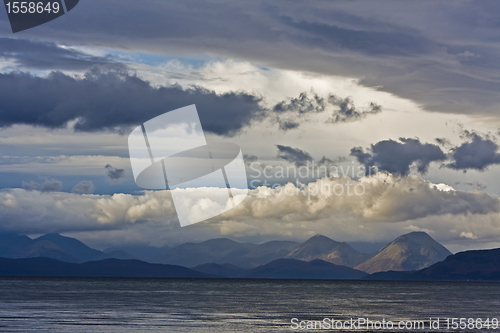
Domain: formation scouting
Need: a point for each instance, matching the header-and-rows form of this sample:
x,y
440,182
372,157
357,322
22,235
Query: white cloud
x,y
389,207
468,235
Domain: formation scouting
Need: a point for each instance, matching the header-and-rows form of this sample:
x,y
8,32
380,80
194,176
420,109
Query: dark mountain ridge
x,y
53,246
477,265
104,268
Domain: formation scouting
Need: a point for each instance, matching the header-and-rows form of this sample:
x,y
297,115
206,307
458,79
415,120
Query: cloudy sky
x,y
407,88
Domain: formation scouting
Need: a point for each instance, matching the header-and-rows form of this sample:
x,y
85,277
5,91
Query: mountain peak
x,y
71,245
324,248
46,248
412,251
417,235
320,238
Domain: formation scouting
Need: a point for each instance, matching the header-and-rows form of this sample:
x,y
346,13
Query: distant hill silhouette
x,y
103,268
482,265
223,270
285,269
298,269
53,246
142,252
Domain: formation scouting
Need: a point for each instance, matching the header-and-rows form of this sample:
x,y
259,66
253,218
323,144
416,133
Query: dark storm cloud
x,y
50,185
411,49
293,155
444,142
113,99
477,154
289,112
333,37
405,53
288,125
328,161
302,104
114,173
106,100
475,185
47,55
397,157
347,112
84,187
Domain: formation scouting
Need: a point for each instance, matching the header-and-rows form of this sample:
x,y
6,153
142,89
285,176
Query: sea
x,y
227,305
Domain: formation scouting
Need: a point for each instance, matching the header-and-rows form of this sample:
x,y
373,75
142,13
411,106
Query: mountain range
x,y
465,266
414,256
408,252
53,246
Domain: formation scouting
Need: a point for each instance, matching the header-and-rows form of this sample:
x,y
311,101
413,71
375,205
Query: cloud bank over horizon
x,y
329,205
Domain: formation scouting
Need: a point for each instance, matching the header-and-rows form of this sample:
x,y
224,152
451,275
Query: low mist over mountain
x,y
220,250
412,251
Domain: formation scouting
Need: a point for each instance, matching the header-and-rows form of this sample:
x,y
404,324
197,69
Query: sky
x,y
395,99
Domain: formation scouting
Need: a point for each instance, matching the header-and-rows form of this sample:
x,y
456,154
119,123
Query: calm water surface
x,y
171,305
